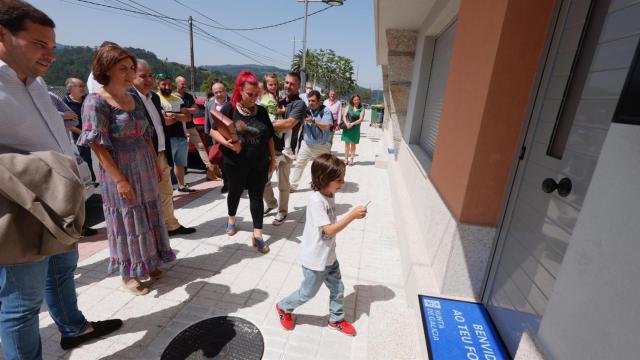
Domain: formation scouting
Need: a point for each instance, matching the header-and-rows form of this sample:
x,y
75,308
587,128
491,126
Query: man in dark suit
x,y
143,84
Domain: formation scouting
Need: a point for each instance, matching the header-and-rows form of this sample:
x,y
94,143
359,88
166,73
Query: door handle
x,y
564,186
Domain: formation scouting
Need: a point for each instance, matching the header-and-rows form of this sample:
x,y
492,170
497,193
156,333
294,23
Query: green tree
x,y
365,94
331,70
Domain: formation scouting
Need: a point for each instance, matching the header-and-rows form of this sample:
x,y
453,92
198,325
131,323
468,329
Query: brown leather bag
x,y
41,206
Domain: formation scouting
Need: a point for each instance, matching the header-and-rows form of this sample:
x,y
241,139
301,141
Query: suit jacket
x,y
41,206
167,144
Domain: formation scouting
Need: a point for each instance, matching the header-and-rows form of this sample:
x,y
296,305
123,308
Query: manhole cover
x,y
222,337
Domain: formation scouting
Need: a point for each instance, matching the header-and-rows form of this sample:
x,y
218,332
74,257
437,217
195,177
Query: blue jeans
x,y
22,288
310,286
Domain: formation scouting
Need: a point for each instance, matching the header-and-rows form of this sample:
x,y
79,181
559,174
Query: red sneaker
x,y
286,320
344,327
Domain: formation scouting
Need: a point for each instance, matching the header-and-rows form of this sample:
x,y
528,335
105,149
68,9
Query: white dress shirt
x,y
30,122
92,84
155,118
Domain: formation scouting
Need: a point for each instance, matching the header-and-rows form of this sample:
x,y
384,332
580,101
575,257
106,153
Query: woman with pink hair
x,y
249,155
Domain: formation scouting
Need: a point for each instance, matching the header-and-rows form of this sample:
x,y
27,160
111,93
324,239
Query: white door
x,y
587,62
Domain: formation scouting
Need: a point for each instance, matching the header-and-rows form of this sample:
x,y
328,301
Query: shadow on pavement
x,y
206,266
364,163
153,323
362,298
203,267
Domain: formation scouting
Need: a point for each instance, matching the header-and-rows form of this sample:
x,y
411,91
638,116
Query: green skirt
x,y
351,135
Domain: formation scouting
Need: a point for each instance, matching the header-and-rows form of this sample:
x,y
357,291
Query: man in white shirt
x,y
217,97
304,96
30,123
143,86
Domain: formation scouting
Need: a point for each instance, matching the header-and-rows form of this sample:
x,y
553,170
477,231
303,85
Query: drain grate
x,y
222,337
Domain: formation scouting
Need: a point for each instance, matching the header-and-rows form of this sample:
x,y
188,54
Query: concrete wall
x,y
442,252
495,59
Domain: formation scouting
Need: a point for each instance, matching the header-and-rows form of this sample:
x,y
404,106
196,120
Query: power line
x,y
239,50
118,12
132,11
177,24
235,32
203,23
183,26
266,26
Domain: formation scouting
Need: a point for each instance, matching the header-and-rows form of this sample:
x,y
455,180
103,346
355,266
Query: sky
x,y
347,29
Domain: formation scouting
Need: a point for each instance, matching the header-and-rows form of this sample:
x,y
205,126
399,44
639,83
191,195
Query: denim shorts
x,y
179,150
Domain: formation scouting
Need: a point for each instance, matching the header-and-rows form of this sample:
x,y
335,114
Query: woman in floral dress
x,y
116,129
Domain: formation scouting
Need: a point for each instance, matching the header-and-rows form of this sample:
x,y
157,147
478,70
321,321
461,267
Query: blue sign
x,y
459,330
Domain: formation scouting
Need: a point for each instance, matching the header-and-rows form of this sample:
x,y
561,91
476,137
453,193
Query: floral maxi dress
x,y
137,236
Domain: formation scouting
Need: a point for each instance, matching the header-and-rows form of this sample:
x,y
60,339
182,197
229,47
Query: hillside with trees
x,y
75,61
323,66
259,70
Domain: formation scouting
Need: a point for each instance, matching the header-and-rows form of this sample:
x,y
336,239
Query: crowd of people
x,y
138,126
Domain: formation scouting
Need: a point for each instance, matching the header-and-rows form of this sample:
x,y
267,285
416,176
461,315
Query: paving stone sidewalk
x,y
220,275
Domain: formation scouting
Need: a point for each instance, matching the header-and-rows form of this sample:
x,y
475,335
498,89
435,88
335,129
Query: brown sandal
x,y
136,287
155,274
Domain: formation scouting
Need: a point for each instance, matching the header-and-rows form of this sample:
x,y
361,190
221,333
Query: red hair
x,y
244,77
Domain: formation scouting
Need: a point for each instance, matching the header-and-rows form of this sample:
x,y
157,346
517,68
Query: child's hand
x,y
359,212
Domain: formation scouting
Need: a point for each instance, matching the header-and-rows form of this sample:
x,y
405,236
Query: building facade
x,y
512,143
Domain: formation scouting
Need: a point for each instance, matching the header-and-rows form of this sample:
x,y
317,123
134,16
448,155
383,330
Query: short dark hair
x,y
14,13
295,75
315,93
325,169
106,58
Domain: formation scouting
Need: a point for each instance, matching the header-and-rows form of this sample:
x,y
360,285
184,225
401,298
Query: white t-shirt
x,y
317,250
92,84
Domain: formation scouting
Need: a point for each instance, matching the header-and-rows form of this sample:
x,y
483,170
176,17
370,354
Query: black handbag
x,y
343,125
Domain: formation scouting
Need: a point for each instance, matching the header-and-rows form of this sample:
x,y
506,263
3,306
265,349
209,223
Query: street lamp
x,y
303,70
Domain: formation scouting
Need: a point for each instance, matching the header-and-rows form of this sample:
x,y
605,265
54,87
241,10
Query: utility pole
x,y
193,69
294,41
303,70
293,58
303,73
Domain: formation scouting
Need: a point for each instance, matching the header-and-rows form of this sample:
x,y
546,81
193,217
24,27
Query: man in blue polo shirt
x,y
317,133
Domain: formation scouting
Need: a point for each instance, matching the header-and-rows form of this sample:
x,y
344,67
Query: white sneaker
x,y
289,153
279,219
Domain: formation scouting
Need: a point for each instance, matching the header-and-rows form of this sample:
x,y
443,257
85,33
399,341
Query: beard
x,y
165,92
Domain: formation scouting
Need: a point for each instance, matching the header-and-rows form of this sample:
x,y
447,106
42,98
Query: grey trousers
x,y
305,154
283,169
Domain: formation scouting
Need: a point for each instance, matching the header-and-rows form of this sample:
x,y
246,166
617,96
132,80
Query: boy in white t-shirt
x,y
318,247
